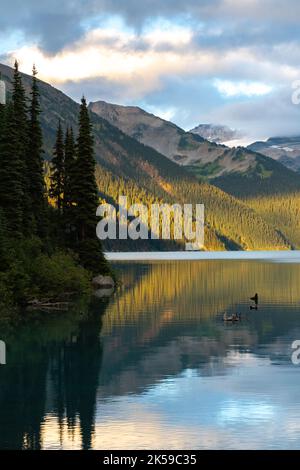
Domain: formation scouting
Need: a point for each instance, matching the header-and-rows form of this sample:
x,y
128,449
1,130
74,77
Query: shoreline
x,y
277,256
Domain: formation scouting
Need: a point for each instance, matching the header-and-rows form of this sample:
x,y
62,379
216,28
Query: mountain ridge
x,y
285,150
217,133
207,161
128,165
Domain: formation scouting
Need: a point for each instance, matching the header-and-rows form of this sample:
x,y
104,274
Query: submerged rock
x,y
103,282
100,293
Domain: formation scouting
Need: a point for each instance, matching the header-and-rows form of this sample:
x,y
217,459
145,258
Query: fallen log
x,y
48,305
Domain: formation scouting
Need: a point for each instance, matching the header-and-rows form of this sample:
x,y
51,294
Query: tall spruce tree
x,y
11,178
69,208
2,118
86,196
34,160
4,243
69,170
19,137
85,183
58,170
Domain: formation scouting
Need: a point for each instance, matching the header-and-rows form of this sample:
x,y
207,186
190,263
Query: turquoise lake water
x,y
155,366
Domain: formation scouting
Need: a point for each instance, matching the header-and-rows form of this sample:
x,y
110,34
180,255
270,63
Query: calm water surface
x,y
156,367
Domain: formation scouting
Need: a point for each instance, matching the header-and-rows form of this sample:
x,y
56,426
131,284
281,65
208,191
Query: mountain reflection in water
x,y
156,366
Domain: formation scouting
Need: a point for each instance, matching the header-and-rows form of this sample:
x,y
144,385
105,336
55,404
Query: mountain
x,y
216,133
206,160
229,222
128,167
267,177
286,150
114,150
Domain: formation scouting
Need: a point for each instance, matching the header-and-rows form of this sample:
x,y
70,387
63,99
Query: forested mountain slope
x,y
128,165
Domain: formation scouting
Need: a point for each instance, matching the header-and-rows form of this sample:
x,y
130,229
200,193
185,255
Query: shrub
x,y
57,274
31,273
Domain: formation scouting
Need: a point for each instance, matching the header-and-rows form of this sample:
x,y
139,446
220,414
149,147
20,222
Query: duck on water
x,y
237,316
232,318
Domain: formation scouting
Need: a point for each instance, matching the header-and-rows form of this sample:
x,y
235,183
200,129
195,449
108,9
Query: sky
x,y
231,62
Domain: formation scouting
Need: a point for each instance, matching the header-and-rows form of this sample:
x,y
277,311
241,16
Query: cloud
x,y
191,61
52,25
121,57
124,56
263,117
231,89
49,24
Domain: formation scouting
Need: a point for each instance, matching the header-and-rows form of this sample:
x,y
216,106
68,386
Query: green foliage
x,y
35,172
267,177
74,191
58,170
35,259
86,196
33,273
232,219
2,118
19,140
282,211
70,172
85,188
69,183
230,223
57,274
91,255
239,155
187,142
262,172
111,187
11,174
205,170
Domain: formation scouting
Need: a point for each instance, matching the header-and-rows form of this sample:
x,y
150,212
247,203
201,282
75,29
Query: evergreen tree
x,y
85,184
4,243
20,109
69,208
69,170
18,129
86,196
58,170
30,265
2,118
11,187
35,169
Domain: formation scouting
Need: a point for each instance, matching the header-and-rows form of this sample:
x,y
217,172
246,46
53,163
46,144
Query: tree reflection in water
x,y
53,369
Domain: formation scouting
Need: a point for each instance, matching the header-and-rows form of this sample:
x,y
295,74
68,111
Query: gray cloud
x,y
272,115
137,12
269,29
50,24
56,23
97,89
198,102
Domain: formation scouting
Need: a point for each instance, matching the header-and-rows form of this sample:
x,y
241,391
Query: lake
x,y
155,366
